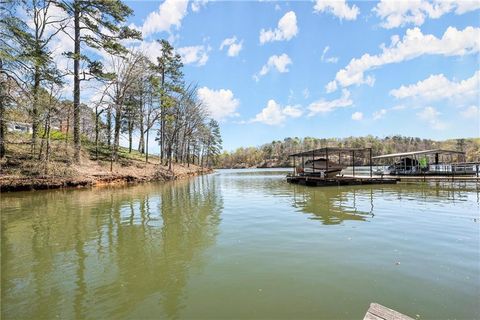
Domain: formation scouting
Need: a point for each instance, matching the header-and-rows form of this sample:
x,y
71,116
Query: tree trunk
x,y
130,133
109,126
188,153
97,129
36,87
2,117
40,153
141,142
146,149
170,157
162,117
116,141
76,83
47,152
68,131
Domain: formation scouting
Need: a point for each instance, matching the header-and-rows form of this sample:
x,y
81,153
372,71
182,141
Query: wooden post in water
x,y
353,162
313,161
371,172
294,166
326,165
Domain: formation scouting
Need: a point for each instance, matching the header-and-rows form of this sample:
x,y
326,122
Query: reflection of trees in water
x,y
102,253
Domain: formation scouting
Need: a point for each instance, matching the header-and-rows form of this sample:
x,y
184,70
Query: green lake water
x,y
241,244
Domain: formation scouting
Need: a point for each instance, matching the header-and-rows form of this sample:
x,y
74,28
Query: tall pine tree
x,y
97,24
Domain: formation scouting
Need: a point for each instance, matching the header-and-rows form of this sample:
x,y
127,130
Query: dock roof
x,y
323,151
413,153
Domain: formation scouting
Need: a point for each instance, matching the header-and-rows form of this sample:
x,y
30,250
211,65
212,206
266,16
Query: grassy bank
x,y
20,171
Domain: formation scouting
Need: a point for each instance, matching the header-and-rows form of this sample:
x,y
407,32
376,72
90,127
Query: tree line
x,y
275,153
136,96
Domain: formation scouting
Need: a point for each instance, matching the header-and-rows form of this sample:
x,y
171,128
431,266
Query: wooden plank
x,y
377,311
370,316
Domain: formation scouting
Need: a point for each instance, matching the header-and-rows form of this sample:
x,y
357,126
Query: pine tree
x,y
169,68
26,48
96,24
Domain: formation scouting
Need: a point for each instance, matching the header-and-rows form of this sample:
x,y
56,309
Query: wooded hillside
x,y
135,94
275,154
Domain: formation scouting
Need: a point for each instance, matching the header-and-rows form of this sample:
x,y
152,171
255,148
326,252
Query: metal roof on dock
x,y
413,153
322,151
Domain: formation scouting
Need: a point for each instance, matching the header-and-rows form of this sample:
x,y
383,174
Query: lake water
x,y
241,244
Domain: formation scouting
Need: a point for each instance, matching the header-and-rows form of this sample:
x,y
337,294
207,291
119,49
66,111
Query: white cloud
x,y
431,115
151,49
194,54
379,114
357,116
338,8
234,46
196,5
437,87
400,13
324,106
280,63
472,112
274,114
328,60
220,104
414,44
286,29
293,111
331,86
170,13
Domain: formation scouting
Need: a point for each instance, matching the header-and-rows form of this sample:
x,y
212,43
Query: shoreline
x,y
99,179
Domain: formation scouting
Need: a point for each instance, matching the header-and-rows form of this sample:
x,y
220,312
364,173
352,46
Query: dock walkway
x,y
308,180
379,312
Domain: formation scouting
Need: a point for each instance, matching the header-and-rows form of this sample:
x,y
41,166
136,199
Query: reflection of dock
x,y
309,180
379,312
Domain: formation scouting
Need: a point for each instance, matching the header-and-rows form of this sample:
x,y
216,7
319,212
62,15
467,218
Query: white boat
x,y
319,166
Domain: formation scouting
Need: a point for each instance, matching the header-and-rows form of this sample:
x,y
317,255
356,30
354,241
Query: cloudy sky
x,y
272,69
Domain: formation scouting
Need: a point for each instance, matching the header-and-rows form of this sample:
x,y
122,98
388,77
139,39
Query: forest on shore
x,y
275,153
48,120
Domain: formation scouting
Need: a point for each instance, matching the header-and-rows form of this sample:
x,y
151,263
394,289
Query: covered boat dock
x,y
427,162
334,157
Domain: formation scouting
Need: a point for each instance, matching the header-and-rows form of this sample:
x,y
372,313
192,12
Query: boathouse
x,y
426,162
323,167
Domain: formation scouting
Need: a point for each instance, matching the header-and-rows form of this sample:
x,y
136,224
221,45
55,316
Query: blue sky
x,y
325,68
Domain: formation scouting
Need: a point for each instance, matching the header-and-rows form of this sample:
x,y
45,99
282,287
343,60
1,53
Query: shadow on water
x,y
105,253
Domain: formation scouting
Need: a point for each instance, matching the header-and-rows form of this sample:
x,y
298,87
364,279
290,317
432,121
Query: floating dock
x,y
316,181
379,312
308,180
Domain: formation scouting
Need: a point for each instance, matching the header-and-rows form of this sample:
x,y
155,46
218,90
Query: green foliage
x,y
104,19
277,152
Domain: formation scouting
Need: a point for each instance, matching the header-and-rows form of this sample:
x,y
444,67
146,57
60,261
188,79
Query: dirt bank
x,y
97,174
